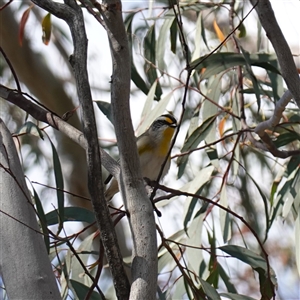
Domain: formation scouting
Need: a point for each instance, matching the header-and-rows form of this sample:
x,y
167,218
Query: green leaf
x,y
242,30
193,141
72,214
198,135
146,122
161,295
251,76
219,62
150,55
224,216
42,218
198,42
161,41
265,201
210,292
138,80
286,138
236,296
226,279
282,195
258,263
135,76
105,107
212,154
149,115
30,128
277,85
173,36
292,197
245,255
195,186
266,287
59,185
267,284
203,33
46,27
194,239
81,291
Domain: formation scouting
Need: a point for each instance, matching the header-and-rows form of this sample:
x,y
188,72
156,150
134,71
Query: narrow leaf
x,y
82,290
30,128
71,214
42,218
224,217
137,79
158,109
252,76
46,28
135,76
236,296
59,185
245,255
147,107
23,22
193,141
265,202
219,62
150,63
242,30
210,292
105,107
286,138
195,186
173,36
161,42
219,32
226,279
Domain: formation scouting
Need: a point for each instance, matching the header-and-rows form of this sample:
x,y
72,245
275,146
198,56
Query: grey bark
x,y
285,58
24,263
71,13
138,205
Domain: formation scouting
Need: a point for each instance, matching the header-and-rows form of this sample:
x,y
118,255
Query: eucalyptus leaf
x,y
245,255
105,107
210,292
82,290
219,62
31,128
59,186
71,214
236,296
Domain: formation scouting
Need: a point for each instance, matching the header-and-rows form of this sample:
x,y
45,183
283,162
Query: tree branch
x,y
141,218
41,114
71,13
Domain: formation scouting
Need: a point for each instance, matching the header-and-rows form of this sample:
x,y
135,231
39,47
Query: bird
x,y
153,147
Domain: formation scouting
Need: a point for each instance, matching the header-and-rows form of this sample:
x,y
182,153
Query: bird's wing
x,y
109,177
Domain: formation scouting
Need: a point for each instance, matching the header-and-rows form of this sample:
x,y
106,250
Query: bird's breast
x,y
165,143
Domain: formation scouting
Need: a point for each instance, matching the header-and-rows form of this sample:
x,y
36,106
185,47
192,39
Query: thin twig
x,y
11,66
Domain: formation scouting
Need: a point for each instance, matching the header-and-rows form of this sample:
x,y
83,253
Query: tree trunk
x,y
24,263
